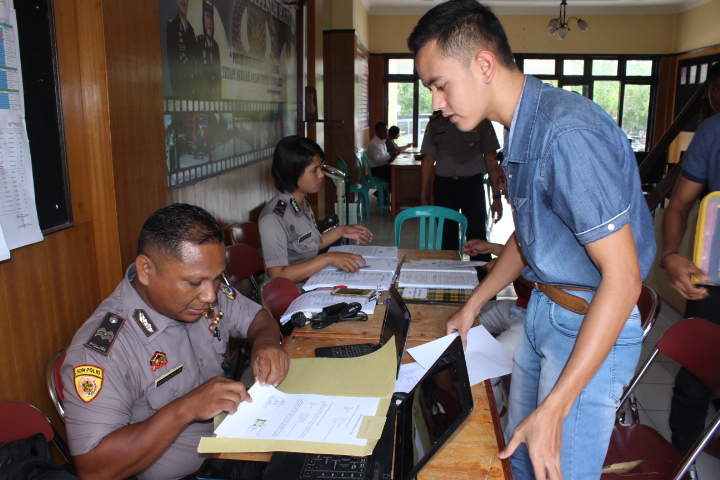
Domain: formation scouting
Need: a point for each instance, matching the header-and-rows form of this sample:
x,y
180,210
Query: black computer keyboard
x,y
335,466
347,351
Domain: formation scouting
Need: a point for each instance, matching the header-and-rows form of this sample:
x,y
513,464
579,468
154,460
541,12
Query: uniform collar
x,y
139,314
290,199
523,122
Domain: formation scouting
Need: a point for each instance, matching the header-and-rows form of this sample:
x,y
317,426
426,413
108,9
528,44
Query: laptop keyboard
x,y
347,351
335,466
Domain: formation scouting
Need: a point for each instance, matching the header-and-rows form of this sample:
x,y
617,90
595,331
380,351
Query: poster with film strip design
x,y
229,84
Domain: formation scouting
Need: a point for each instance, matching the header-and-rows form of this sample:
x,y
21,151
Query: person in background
x,y
392,147
700,173
585,248
180,43
208,57
378,155
146,374
460,161
289,235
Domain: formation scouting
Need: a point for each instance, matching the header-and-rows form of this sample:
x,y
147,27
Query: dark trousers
x,y
466,194
691,397
384,172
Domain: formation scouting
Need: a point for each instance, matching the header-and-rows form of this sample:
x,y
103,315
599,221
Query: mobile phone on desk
x,y
354,292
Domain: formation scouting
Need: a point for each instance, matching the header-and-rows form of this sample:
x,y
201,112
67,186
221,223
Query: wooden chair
x,y
54,383
435,218
248,233
693,343
244,262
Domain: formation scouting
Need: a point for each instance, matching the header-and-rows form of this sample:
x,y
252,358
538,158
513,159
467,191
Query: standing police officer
x,y
461,160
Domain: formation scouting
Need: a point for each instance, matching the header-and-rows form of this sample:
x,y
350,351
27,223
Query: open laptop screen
x,y
397,323
432,412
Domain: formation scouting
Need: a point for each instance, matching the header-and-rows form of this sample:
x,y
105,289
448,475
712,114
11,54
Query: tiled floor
x,y
653,395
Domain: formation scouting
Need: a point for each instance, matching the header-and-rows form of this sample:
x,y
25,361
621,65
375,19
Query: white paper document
x,y
368,251
434,265
373,264
415,292
438,279
314,302
409,376
485,356
275,415
361,279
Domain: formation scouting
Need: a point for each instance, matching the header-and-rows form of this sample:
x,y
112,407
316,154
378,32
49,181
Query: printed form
x,y
275,415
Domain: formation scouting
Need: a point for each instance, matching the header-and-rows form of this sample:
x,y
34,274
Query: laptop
x,y
396,324
426,419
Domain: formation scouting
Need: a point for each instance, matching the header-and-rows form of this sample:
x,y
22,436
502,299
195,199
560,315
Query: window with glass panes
x,y
624,86
409,103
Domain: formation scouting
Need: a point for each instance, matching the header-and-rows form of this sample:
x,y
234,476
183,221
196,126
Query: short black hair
x,y
462,28
713,72
168,228
392,131
292,156
380,125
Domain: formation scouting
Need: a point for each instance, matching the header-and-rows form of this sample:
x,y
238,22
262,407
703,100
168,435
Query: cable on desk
x,y
340,312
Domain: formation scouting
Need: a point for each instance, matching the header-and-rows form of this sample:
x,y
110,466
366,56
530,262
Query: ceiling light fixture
x,y
560,26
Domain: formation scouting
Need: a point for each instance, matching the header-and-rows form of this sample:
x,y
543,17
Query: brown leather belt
x,y
566,300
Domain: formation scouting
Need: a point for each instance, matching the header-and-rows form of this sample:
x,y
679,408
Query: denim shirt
x,y
572,179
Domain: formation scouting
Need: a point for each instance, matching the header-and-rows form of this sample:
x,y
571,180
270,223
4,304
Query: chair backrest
x,y
276,294
435,217
364,165
343,167
693,343
21,420
54,383
649,306
248,232
243,261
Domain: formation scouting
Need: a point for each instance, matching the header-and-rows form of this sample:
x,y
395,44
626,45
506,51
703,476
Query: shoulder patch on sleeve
x,y
104,337
88,381
280,207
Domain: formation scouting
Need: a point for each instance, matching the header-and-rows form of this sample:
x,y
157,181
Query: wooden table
x,y
405,183
472,452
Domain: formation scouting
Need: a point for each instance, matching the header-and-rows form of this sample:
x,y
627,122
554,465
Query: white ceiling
x,y
541,7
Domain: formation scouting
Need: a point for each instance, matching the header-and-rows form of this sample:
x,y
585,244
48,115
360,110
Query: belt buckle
x,y
455,177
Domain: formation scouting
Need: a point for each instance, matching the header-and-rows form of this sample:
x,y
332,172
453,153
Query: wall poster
x,y
229,83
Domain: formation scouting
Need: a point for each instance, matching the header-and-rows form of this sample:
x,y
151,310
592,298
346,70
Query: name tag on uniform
x,y
305,237
168,375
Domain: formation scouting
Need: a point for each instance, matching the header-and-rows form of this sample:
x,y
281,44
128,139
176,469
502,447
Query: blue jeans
x,y
541,355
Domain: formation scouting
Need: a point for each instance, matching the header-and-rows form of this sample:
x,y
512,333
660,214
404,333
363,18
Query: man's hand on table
x,y
270,363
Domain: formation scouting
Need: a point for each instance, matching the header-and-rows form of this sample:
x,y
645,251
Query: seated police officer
x,y
144,375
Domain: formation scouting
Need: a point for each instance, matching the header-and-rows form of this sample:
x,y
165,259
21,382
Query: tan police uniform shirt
x,y
128,361
288,232
458,153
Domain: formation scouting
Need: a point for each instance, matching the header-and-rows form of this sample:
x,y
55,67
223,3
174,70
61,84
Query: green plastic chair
x,y
363,190
435,217
366,178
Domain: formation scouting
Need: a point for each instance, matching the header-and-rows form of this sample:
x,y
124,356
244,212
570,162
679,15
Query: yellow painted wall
x,y
699,27
618,34
361,23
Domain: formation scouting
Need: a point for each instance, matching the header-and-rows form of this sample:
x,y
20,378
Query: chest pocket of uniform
x,y
170,390
308,244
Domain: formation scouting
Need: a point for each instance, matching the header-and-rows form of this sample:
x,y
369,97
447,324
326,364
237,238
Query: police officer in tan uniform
x,y
181,50
144,376
290,239
460,160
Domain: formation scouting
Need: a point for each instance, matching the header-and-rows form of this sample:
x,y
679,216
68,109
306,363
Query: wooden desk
x,y
471,453
405,184
428,321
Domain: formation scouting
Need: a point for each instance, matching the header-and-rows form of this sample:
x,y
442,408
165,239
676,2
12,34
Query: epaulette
x,y
104,337
280,207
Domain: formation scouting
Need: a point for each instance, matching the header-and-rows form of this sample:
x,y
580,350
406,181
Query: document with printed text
x,y
367,250
316,300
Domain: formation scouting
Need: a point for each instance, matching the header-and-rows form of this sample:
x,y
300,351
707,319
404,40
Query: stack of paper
x,y
373,264
315,301
438,279
368,251
361,279
442,265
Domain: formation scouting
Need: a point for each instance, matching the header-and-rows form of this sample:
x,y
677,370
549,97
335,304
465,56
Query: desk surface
x,y
428,321
473,450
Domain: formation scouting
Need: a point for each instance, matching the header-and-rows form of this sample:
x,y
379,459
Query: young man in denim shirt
x,y
583,235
